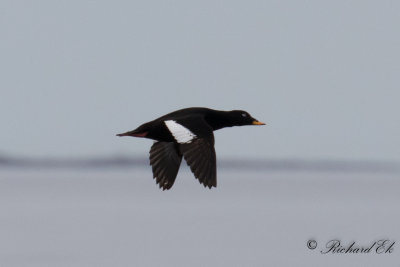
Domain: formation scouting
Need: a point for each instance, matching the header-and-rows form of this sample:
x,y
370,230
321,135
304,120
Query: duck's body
x,y
188,133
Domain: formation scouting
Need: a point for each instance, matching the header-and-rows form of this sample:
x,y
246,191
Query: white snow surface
x,y
121,218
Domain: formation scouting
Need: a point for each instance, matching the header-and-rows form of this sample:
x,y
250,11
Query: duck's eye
x,y
244,115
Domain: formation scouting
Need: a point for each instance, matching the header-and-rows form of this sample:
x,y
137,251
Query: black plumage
x,y
188,133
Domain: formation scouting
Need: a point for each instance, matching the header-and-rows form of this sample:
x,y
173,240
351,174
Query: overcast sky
x,y
324,75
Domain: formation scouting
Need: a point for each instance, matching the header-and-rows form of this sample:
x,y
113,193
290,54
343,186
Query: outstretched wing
x,y
165,160
196,142
200,156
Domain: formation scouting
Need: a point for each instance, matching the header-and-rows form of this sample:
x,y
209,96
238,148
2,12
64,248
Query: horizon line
x,y
287,164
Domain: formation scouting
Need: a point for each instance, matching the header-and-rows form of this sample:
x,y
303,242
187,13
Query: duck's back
x,y
195,111
158,130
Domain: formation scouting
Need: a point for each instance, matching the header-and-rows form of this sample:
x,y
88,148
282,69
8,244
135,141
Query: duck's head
x,y
241,117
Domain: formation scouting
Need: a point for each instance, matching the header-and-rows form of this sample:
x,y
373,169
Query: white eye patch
x,y
181,134
244,114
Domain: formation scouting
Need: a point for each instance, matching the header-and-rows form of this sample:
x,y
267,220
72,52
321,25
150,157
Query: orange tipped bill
x,y
258,123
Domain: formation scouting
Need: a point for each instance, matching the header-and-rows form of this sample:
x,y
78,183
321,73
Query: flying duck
x,y
189,133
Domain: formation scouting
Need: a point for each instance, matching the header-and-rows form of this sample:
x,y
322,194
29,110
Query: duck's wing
x,y
200,156
196,142
165,160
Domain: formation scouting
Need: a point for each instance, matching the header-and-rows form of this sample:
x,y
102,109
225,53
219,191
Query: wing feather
x,y
201,158
165,160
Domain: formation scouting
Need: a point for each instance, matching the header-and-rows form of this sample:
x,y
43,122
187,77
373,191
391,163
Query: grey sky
x,y
323,75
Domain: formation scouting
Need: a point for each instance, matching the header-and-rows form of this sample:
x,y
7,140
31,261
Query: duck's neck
x,y
219,119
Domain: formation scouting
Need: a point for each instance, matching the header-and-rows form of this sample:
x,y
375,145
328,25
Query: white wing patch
x,y
181,134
